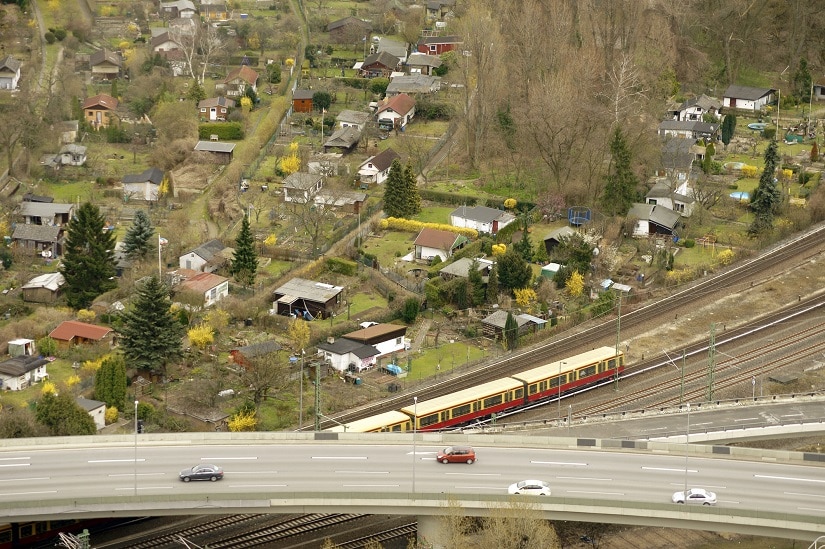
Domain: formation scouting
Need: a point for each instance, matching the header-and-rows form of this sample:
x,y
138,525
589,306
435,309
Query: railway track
x,y
746,274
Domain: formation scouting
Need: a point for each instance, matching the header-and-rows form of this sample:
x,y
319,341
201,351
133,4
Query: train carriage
x,y
463,406
577,371
388,422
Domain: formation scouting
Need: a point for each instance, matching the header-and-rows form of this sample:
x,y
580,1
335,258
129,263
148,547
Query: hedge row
x,y
230,131
408,225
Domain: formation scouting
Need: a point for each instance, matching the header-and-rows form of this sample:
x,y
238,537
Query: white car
x,y
530,488
695,495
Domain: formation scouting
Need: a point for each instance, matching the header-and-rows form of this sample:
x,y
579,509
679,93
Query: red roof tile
x,y
71,329
101,100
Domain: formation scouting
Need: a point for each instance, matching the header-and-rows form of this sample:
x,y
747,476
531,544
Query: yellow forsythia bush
x,y
499,249
111,415
725,257
243,422
749,171
201,335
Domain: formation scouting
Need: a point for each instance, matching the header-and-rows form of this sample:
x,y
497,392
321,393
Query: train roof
x,y
566,365
371,423
461,397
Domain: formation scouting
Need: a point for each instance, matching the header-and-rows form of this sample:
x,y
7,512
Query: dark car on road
x,y
203,471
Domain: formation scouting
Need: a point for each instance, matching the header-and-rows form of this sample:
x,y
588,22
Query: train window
x,y
395,428
5,534
519,392
534,388
611,363
459,411
492,401
543,385
445,415
587,372
476,406
428,420
554,382
26,530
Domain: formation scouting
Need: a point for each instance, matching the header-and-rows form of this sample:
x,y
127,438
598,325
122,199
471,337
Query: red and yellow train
x,y
494,397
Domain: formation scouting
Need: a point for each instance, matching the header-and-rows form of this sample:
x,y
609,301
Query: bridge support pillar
x,y
431,532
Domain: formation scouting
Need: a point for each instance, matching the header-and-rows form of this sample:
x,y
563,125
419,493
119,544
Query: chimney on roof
x,y
330,340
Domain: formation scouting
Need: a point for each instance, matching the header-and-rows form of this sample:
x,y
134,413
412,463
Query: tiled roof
x,y
437,239
37,233
70,329
101,100
401,103
151,175
382,160
203,282
745,92
245,73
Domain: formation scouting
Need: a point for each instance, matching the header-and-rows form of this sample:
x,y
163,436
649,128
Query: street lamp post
x,y
687,443
301,395
136,434
415,432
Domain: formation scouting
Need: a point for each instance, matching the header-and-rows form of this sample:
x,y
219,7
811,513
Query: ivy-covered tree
x,y
110,382
88,263
513,271
492,285
62,416
767,197
137,243
510,332
150,333
728,127
476,282
574,252
244,261
801,81
621,182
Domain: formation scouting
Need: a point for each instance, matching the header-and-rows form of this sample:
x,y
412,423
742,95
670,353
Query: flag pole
x,y
160,276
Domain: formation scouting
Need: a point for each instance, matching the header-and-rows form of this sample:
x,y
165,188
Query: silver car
x,y
530,488
696,496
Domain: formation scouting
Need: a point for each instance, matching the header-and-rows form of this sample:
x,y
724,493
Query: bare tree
x,y
264,374
625,91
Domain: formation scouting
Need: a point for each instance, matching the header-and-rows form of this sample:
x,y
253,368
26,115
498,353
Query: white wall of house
x,y
17,383
217,293
192,261
141,191
342,362
746,104
425,252
99,416
390,346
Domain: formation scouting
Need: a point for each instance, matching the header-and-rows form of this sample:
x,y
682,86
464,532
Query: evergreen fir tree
x,y
728,127
767,196
110,382
151,335
244,261
621,183
510,332
88,263
413,200
394,189
524,246
513,272
137,243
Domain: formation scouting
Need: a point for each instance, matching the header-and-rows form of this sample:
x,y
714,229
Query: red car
x,y
457,454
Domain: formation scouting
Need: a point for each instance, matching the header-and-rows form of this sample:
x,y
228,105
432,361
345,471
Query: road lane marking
x,y
800,414
252,472
587,478
363,472
258,485
13,459
16,465
746,419
132,488
669,469
210,459
370,485
130,460
598,493
475,474
805,495
571,463
339,457
771,477
139,474
23,479
28,493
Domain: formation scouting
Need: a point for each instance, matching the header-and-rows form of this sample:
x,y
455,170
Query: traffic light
x,y
140,426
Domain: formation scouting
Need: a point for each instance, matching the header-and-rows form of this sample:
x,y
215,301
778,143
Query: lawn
x,y
389,246
59,373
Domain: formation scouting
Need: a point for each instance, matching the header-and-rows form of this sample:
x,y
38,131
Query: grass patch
x,y
389,246
435,214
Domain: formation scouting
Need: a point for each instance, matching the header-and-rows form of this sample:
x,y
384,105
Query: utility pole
x,y
618,337
711,360
317,397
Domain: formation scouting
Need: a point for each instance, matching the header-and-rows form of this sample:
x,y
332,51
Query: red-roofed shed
x,y
72,332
